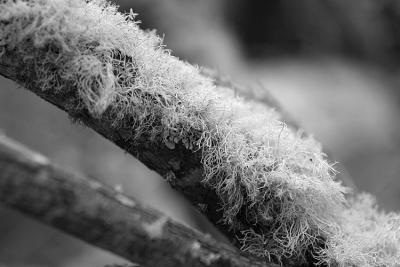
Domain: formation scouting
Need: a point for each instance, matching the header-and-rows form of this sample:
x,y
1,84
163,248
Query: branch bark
x,y
99,215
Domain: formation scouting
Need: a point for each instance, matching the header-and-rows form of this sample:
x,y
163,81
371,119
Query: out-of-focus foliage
x,y
364,29
359,28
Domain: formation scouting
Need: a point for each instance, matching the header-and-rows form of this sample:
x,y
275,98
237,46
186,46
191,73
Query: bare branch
x,y
95,213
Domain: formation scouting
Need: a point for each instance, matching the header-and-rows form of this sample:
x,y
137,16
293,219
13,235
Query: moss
x,y
366,236
277,189
205,257
155,229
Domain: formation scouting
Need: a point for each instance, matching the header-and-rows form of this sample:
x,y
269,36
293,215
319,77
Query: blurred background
x,y
332,64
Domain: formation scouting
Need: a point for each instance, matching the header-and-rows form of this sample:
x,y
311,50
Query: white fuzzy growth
x,y
155,229
366,237
276,188
206,257
125,200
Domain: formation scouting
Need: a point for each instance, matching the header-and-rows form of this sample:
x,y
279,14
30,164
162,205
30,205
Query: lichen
x,y
124,200
204,256
276,188
366,236
155,229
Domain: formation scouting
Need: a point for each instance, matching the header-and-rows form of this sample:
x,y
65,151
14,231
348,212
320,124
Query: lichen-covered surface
x,y
272,186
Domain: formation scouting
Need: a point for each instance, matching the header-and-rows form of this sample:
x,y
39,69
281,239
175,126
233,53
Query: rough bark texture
x,y
85,208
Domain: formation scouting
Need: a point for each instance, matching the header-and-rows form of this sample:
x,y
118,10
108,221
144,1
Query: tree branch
x,y
183,165
254,177
93,212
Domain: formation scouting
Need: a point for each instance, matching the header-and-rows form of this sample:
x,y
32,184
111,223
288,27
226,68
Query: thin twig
x,y
99,215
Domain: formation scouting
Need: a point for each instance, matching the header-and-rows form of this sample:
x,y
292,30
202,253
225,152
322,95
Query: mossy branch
x,y
268,187
97,214
180,167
